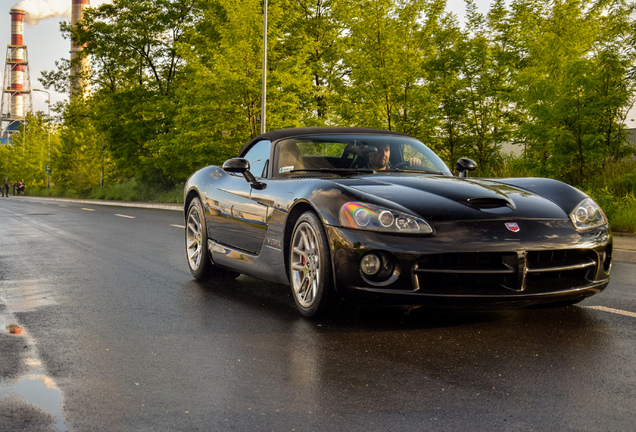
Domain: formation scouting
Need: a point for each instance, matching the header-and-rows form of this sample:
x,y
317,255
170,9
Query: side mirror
x,y
464,165
242,166
236,165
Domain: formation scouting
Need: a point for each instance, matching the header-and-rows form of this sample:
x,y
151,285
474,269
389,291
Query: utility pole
x,y
264,90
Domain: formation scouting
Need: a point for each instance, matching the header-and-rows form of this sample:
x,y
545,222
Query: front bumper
x,y
476,263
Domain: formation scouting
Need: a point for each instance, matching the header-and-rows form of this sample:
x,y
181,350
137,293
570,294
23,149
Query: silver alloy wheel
x,y
194,238
305,265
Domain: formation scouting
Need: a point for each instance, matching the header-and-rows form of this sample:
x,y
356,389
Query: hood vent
x,y
489,203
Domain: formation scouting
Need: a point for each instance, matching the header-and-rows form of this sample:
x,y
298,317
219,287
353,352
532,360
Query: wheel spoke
x,y
299,267
195,258
309,289
305,288
307,243
193,227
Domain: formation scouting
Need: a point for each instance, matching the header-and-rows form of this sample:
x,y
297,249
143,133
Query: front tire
x,y
310,267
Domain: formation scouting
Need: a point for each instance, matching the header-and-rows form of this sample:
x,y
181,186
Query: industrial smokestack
x,y
17,63
17,26
80,67
16,92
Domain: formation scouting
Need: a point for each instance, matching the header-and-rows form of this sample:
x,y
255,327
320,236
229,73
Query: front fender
x,y
562,194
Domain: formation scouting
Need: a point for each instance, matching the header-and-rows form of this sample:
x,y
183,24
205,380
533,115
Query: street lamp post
x,y
48,128
264,90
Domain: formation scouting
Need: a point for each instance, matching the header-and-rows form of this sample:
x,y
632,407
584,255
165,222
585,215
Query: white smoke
x,y
37,10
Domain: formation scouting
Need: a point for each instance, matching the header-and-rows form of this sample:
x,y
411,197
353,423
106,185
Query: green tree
x,y
176,84
387,44
449,87
135,67
487,70
317,32
573,83
219,98
82,156
26,155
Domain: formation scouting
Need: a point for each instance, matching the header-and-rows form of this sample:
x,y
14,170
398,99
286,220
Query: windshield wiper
x,y
336,170
411,170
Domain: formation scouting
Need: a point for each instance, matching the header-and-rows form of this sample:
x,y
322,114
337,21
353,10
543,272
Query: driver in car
x,y
380,160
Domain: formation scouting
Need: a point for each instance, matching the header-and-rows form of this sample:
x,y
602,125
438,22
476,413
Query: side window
x,y
258,156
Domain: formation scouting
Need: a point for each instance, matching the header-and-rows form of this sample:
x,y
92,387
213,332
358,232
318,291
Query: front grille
x,y
504,273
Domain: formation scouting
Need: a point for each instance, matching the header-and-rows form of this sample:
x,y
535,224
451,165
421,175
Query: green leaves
x,y
176,84
574,83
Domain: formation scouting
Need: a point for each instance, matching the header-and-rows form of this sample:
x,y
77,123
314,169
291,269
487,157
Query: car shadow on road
x,y
273,301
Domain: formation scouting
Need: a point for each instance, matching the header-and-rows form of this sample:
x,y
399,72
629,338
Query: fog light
x,y
379,268
370,264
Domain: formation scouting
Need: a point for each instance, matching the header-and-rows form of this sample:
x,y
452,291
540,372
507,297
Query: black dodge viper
x,y
376,216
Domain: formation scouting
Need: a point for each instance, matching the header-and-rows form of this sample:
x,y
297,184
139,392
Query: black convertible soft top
x,y
275,135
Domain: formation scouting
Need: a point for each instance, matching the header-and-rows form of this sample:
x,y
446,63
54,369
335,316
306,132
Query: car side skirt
x,y
268,265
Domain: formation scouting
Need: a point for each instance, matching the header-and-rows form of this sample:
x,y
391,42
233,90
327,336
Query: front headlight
x,y
587,215
369,217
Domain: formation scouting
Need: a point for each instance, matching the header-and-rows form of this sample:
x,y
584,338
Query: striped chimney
x,y
81,67
17,62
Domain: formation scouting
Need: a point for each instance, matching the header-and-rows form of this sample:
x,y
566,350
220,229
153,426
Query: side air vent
x,y
489,203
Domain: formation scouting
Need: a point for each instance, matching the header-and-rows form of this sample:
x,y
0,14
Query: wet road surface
x,y
117,336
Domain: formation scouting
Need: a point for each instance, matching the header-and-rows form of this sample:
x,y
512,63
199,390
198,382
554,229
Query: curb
x,y
175,207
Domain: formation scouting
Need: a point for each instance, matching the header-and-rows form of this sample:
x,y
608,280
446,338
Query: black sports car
x,y
375,216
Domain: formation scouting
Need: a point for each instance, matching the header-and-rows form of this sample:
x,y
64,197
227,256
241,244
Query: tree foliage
x,y
176,84
28,152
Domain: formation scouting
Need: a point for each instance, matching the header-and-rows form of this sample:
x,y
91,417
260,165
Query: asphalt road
x,y
117,336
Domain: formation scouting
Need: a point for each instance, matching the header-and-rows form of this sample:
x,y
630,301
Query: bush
x,y
53,191
128,191
136,191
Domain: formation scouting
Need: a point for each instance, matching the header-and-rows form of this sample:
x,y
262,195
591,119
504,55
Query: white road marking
x,y
614,311
88,209
178,226
125,216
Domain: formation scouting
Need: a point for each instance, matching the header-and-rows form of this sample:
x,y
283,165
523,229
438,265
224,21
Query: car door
x,y
235,219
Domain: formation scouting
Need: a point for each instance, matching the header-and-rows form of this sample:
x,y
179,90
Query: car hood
x,y
439,198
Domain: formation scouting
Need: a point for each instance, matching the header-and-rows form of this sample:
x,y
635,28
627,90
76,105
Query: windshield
x,y
355,153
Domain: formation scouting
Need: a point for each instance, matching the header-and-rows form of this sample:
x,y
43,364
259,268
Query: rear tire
x,y
196,239
310,267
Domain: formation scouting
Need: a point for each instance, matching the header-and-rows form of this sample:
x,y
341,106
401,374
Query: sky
x,y
42,38
45,43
